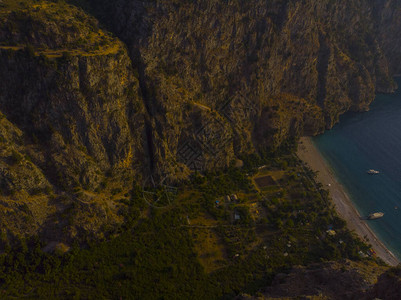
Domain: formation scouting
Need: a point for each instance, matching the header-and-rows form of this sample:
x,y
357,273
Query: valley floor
x,y
309,154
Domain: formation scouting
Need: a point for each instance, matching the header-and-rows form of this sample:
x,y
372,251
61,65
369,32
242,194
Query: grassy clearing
x,y
209,248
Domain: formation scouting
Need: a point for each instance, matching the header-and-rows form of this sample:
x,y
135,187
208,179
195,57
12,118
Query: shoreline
x,y
311,156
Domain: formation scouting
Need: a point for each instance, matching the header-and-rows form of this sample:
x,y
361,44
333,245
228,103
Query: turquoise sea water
x,y
370,140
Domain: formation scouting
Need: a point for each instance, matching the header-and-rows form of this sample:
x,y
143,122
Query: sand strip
x,y
308,153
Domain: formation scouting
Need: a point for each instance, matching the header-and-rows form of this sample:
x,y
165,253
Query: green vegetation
x,y
194,247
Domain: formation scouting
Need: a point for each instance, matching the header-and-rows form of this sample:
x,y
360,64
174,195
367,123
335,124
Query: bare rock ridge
x,y
185,86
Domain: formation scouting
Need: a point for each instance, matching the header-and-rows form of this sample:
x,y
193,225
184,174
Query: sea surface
x,y
370,140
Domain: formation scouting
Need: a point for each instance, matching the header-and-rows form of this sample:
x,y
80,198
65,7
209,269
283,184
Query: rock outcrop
x,y
331,280
388,15
387,287
73,123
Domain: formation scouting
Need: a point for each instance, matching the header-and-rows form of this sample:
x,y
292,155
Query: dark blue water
x,y
370,140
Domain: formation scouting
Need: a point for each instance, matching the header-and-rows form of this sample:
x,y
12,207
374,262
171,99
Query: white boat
x,y
372,172
376,215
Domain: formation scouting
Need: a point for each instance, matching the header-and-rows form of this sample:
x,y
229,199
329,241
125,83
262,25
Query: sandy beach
x,y
308,153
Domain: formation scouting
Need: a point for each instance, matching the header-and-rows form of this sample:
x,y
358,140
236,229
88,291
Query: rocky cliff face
x,y
241,59
73,121
389,20
196,85
77,111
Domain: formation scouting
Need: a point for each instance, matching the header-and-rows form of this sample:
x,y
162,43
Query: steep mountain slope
x,y
73,121
242,59
388,15
87,120
199,85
